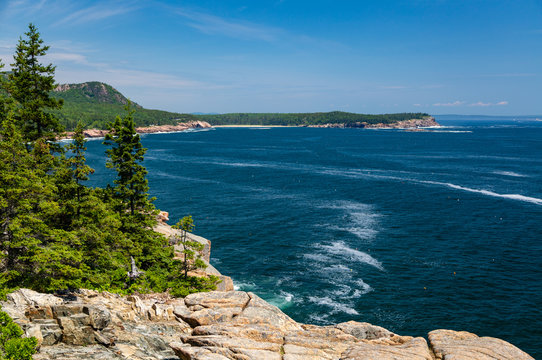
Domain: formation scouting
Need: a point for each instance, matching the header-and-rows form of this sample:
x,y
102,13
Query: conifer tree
x,y
81,170
191,250
125,156
30,84
4,100
32,252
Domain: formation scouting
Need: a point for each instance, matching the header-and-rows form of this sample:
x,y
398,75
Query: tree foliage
x,y
190,249
55,232
30,84
125,156
305,119
12,345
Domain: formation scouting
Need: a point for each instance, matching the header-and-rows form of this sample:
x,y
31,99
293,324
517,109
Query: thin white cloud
x,y
97,12
215,25
393,87
23,6
455,103
510,75
485,104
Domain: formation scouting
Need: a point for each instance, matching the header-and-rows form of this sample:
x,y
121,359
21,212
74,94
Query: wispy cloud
x,y
455,103
97,12
393,87
506,75
215,25
484,104
15,7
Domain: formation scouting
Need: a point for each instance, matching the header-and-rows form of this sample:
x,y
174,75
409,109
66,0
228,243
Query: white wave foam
x,y
341,249
320,258
509,173
518,197
244,286
361,219
365,288
335,306
286,296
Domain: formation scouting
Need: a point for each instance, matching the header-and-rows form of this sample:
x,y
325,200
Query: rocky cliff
x,y
218,326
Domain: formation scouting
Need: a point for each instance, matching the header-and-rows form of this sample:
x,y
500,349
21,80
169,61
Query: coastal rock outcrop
x,y
218,326
97,133
404,124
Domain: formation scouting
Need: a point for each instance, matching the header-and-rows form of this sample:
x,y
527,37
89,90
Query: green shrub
x,y
12,345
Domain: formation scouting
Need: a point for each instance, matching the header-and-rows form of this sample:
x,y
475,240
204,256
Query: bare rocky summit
x,y
218,326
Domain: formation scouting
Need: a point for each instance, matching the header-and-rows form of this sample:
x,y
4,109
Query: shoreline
x,y
408,125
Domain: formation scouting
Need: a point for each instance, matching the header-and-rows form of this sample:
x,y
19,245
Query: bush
x,y
12,345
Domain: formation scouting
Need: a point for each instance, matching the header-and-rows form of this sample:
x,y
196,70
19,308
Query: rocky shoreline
x,y
97,133
217,325
405,124
414,124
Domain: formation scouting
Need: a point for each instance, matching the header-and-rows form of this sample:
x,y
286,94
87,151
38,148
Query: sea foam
x,y
341,249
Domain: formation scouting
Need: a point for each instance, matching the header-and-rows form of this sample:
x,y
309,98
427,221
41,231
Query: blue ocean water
x,y
412,231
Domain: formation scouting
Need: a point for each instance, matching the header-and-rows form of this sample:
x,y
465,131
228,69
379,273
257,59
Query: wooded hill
x,y
95,104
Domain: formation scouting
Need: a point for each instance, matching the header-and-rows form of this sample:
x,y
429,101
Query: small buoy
x,y
454,272
424,288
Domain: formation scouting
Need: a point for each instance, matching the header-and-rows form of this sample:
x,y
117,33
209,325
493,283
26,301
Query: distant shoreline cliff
x,y
403,124
97,133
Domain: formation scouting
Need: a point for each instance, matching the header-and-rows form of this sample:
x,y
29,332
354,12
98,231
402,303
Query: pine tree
x,y
191,250
126,156
4,100
30,84
81,170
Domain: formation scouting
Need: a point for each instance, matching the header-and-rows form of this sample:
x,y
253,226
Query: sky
x,y
364,56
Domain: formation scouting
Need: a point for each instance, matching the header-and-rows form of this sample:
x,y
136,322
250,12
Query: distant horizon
x,y
371,56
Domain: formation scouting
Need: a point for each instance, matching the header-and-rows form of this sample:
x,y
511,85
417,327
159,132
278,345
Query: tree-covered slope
x,y
95,104
304,119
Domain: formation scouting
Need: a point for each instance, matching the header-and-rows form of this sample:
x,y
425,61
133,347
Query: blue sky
x,y
380,56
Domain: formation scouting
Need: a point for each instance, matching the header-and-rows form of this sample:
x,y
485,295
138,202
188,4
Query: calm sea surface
x,y
412,231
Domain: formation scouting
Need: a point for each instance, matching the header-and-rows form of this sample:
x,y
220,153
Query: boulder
x,y
260,312
462,345
99,316
364,331
412,349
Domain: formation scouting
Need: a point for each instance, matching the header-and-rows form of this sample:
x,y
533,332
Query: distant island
x,y
96,103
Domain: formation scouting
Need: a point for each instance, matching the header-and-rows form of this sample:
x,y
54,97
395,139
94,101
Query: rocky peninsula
x,y
182,126
218,325
403,124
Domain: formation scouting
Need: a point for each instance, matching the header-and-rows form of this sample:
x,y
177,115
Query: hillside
x,y
95,104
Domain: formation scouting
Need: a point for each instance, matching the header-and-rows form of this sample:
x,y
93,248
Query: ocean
x,y
412,231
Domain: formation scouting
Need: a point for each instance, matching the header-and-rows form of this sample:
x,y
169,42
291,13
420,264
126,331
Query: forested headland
x,y
57,233
95,104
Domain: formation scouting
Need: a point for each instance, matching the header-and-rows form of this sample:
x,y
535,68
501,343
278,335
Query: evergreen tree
x,y
81,170
191,250
4,100
126,156
33,253
30,84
